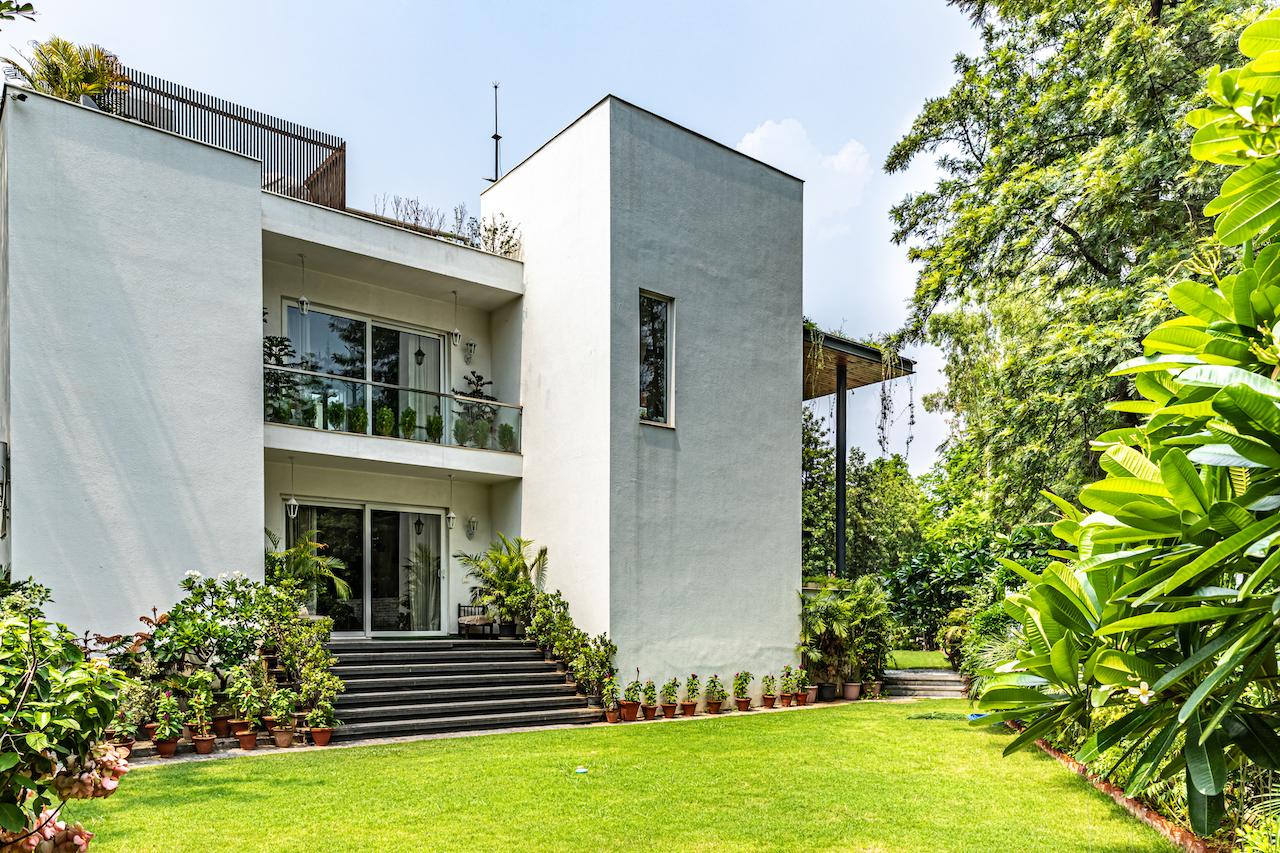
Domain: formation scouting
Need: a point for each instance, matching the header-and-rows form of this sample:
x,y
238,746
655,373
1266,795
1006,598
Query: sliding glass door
x,y
392,561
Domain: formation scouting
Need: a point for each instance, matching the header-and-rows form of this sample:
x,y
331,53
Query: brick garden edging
x,y
1176,835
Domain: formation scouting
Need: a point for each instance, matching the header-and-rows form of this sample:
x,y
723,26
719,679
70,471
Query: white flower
x,y
193,574
237,574
222,576
1143,691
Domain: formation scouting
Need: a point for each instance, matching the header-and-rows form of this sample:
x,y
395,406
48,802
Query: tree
x,y
1066,202
1162,610
69,71
885,503
817,497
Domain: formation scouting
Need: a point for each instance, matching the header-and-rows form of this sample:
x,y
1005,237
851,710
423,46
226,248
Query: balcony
x,y
302,398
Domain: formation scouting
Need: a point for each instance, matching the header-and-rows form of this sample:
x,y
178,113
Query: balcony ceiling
x,y
864,365
349,246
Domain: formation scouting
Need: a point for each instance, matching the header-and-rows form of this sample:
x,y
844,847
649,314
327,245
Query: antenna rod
x,y
497,137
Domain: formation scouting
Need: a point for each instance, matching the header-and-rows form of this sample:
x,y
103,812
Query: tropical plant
x,y
213,627
742,684
305,563
505,574
650,692
1163,605
826,630
70,71
670,691
715,691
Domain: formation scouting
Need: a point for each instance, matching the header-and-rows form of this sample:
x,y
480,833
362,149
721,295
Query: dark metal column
x,y
842,458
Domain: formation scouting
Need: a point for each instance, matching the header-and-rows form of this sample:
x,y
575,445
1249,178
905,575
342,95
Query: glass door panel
x,y
404,563
341,530
408,361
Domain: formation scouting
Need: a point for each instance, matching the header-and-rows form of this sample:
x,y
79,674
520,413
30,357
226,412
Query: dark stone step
x,y
441,668
428,682
427,644
372,658
390,711
398,728
483,690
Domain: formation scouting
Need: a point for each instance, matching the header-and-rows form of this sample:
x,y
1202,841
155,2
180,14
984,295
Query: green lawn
x,y
865,776
916,659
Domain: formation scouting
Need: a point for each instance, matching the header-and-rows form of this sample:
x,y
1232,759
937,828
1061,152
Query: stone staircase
x,y
924,683
408,687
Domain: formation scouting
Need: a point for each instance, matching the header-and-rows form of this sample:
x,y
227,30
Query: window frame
x,y
669,351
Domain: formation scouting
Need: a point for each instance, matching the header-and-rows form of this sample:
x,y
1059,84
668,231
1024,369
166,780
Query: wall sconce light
x,y
450,519
469,351
303,305
417,526
473,524
455,337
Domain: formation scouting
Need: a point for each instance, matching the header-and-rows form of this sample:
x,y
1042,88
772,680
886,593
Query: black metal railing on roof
x,y
297,161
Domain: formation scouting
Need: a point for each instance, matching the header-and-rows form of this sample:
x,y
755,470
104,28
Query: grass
x,y
916,659
864,776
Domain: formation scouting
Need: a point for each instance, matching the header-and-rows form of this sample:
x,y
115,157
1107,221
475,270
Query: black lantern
x,y
419,356
417,526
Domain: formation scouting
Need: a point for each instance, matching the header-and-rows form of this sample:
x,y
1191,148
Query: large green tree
x,y
1066,202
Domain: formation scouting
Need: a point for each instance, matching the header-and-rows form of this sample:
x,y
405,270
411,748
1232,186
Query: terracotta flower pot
x,y
852,690
668,709
248,738
238,726
167,747
268,722
743,704
321,736
222,725
611,715
125,744
800,696
688,709
204,743
785,698
151,731
629,710
871,689
768,699
713,707
187,731
650,711
282,737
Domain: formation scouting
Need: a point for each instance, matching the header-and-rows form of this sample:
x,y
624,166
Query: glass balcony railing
x,y
303,398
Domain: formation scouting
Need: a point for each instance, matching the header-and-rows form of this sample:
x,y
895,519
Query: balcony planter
x,y
321,736
248,738
629,710
650,711
768,699
668,709
166,748
852,690
204,743
743,704
688,709
282,737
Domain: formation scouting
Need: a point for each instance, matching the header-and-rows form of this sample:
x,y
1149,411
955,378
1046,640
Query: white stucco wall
x,y
705,517
560,200
134,293
698,526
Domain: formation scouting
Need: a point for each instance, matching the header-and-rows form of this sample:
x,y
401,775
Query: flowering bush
x,y
246,685
168,722
671,691
216,625
632,693
57,706
650,693
742,684
769,684
715,689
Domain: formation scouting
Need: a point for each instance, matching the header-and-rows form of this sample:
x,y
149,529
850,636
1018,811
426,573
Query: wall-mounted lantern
x,y
469,351
418,524
473,524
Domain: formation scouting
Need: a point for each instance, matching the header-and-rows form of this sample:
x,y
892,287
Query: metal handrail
x,y
373,382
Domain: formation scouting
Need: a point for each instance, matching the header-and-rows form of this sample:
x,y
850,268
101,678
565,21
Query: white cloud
x,y
833,182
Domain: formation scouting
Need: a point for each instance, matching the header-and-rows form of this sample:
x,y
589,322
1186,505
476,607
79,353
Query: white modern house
x,y
199,339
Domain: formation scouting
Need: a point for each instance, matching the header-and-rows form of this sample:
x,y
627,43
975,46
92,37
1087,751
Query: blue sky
x,y
819,89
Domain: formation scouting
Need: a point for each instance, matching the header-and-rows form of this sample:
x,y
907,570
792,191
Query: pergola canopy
x,y
863,364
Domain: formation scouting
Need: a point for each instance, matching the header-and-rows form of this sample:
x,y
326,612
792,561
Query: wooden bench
x,y
473,617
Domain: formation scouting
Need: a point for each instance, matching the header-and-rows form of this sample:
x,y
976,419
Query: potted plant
x,y
872,689
715,694
247,736
670,697
336,414
199,706
480,432
461,432
609,698
769,686
408,422
322,722
384,420
802,686
435,428
692,688
742,690
630,703
222,720
507,437
359,419
168,729
788,682
245,697
283,701
650,699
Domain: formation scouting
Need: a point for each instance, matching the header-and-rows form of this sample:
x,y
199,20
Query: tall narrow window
x,y
655,358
